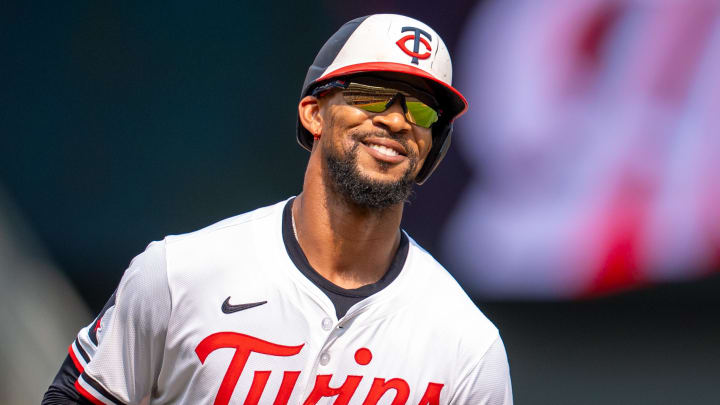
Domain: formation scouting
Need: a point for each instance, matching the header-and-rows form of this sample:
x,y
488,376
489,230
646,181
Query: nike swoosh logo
x,y
229,309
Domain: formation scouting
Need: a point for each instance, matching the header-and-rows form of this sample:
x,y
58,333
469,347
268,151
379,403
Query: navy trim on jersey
x,y
341,298
92,331
99,388
62,390
82,351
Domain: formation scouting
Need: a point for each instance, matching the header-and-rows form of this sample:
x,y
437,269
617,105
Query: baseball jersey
x,y
224,315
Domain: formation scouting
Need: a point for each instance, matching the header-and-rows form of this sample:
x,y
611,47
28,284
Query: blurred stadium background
x,y
579,205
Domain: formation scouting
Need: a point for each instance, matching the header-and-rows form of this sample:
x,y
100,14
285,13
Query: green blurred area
x,y
123,123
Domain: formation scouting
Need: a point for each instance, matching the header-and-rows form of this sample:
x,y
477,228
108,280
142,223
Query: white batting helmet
x,y
395,47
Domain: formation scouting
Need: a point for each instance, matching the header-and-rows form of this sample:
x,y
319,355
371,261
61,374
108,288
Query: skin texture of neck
x,y
350,246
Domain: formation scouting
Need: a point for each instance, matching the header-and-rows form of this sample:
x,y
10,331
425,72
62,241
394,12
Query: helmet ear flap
x,y
441,144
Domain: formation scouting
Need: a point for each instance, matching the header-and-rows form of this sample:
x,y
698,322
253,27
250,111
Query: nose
x,y
393,118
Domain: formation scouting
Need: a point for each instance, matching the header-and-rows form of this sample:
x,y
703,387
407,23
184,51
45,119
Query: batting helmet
x,y
391,46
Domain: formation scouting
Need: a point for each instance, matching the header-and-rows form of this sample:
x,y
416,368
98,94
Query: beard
x,y
345,178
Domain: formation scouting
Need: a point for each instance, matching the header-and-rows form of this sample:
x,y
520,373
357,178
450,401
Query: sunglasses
x,y
377,98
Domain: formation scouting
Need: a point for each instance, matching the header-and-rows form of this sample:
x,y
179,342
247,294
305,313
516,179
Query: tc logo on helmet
x,y
417,38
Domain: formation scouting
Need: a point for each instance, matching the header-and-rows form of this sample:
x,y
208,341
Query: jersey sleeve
x,y
118,356
488,382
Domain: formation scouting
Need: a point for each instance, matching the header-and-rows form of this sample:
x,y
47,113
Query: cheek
x,y
340,119
340,116
424,142
347,116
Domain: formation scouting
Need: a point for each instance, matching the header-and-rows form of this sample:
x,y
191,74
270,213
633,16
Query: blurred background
x,y
579,205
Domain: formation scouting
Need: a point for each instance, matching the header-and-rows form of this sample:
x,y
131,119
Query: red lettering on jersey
x,y
432,394
380,387
243,345
322,389
256,389
286,387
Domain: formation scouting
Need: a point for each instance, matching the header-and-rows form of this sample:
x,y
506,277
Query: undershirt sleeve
x,y
62,390
118,357
488,383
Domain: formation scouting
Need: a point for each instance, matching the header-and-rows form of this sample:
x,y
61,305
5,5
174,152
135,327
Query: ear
x,y
310,117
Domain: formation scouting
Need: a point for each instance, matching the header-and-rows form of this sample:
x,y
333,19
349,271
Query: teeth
x,y
384,150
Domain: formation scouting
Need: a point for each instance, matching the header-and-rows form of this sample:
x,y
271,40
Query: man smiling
x,y
321,298
386,143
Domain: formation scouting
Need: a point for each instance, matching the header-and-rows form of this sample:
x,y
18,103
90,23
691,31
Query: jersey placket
x,y
324,359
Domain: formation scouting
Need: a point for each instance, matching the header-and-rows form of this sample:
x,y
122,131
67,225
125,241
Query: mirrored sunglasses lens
x,y
369,98
375,99
421,114
371,105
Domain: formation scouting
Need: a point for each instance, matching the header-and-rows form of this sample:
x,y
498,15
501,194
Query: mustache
x,y
361,136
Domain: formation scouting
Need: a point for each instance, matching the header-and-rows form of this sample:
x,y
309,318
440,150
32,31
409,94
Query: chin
x,y
369,188
383,175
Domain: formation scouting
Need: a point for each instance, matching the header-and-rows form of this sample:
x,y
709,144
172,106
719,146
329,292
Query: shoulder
x,y
146,273
443,299
144,287
470,341
238,224
228,251
233,236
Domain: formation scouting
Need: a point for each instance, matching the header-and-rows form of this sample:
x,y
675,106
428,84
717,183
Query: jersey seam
x,y
169,318
112,394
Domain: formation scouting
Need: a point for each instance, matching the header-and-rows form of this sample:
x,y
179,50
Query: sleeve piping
x,y
94,391
75,360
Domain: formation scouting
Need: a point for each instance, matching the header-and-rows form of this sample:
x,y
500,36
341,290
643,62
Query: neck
x,y
349,245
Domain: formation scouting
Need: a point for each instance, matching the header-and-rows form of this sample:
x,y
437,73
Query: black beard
x,y
346,179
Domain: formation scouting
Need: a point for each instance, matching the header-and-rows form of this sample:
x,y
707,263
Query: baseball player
x,y
321,298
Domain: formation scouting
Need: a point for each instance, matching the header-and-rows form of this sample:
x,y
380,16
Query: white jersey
x,y
222,315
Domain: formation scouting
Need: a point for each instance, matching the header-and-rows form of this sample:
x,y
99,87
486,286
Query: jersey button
x,y
324,359
327,324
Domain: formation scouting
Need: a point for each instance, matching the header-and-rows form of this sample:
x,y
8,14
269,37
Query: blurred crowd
x,y
593,138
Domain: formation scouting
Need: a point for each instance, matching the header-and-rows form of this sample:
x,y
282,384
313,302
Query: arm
x,y
117,358
488,383
62,391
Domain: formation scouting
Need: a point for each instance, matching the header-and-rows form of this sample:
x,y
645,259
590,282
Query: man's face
x,y
371,158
